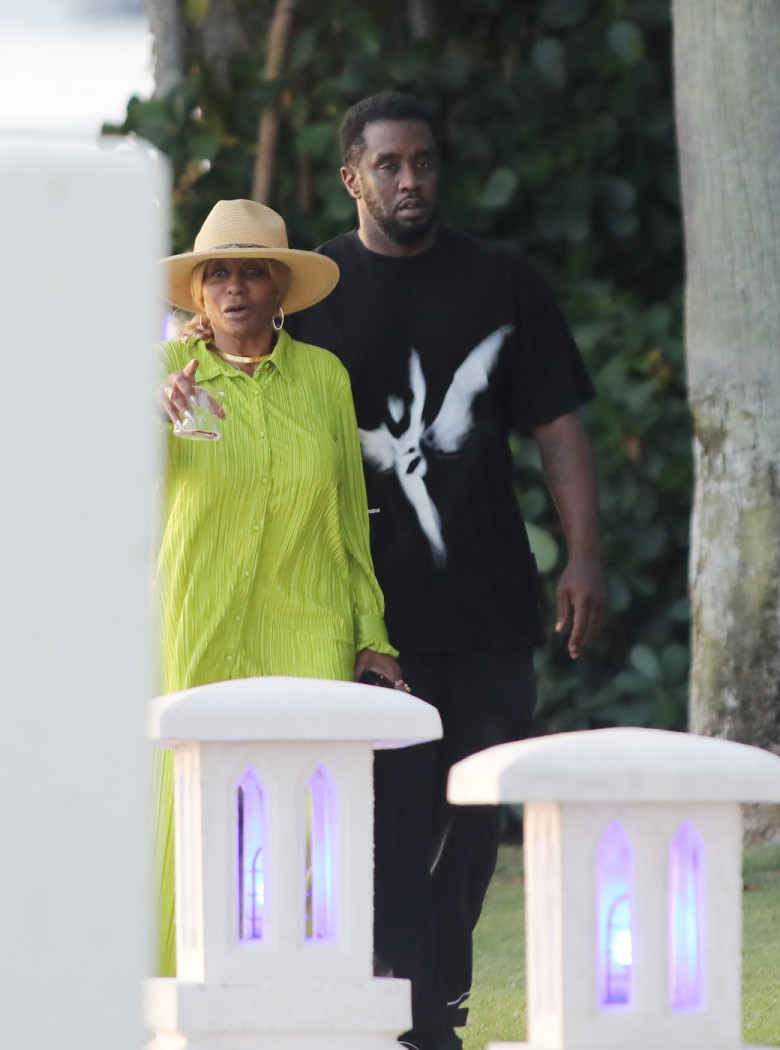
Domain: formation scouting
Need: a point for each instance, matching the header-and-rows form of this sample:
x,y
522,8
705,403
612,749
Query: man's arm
x,y
569,470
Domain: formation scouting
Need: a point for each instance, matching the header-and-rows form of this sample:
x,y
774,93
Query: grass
x,y
761,947
498,1001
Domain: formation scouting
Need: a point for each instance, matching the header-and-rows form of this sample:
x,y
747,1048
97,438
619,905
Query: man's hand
x,y
582,591
178,390
567,464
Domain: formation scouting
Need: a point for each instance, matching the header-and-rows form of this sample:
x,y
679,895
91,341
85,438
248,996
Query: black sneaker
x,y
420,1039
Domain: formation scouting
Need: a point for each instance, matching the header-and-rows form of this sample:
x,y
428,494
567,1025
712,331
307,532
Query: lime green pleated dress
x,y
264,565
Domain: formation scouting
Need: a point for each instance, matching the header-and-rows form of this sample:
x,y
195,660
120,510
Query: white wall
x,y
81,226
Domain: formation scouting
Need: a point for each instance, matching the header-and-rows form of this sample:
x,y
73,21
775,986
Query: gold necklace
x,y
240,360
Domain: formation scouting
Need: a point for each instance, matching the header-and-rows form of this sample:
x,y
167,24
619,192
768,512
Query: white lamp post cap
x,y
623,764
276,708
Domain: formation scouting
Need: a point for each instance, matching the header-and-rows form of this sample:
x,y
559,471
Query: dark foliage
x,y
557,133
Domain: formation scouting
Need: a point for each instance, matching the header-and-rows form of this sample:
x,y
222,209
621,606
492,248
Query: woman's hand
x,y
178,390
380,663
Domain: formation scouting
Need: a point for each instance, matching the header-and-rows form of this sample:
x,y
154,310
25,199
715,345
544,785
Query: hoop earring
x,y
280,326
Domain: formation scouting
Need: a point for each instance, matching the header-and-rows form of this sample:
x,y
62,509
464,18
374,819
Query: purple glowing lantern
x,y
322,851
273,793
632,837
614,908
687,920
250,828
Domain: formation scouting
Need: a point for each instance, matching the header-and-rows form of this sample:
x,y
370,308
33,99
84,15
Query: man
x,y
451,344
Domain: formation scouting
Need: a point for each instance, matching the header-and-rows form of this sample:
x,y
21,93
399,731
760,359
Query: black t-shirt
x,y
448,352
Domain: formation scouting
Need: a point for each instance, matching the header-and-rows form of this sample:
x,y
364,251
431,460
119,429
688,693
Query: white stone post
x,y
81,227
633,882
274,865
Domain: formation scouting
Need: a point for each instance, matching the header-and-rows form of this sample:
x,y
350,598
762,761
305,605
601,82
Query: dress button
x,y
238,616
229,658
256,527
247,573
264,481
261,434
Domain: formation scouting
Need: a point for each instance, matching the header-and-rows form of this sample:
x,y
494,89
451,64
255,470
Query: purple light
x,y
687,921
173,323
322,850
170,328
250,834
614,913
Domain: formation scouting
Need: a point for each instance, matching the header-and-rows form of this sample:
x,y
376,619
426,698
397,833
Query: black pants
x,y
434,861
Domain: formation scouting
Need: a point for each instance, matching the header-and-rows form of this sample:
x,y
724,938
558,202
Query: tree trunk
x,y
265,154
421,15
728,119
213,35
170,44
222,36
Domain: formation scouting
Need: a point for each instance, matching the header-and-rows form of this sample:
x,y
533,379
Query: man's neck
x,y
372,238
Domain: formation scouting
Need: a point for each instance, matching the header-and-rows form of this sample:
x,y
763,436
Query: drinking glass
x,y
200,421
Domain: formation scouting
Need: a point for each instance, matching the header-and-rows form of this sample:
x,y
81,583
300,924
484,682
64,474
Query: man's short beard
x,y
400,232
405,233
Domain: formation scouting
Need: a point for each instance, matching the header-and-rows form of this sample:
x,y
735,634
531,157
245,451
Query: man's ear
x,y
349,177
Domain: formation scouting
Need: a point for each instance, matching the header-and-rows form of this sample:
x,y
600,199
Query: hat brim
x,y
312,276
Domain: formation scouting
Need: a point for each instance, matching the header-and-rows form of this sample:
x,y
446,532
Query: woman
x,y
264,567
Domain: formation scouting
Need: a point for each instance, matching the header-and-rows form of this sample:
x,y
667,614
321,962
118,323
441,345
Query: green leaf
x,y
646,662
195,10
549,57
303,48
204,145
499,189
629,683
452,70
675,659
635,713
317,138
616,192
667,709
563,14
618,593
680,610
625,41
589,335
543,546
406,66
658,122
573,225
622,224
533,502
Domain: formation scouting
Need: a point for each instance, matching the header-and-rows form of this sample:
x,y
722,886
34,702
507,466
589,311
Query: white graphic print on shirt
x,y
406,453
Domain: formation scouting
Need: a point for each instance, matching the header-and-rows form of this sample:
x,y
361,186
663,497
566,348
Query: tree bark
x,y
215,36
421,15
222,36
278,41
170,44
727,87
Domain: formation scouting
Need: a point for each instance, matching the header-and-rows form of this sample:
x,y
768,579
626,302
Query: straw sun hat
x,y
246,229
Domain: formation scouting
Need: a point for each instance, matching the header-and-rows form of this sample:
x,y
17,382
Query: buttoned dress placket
x,y
254,388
